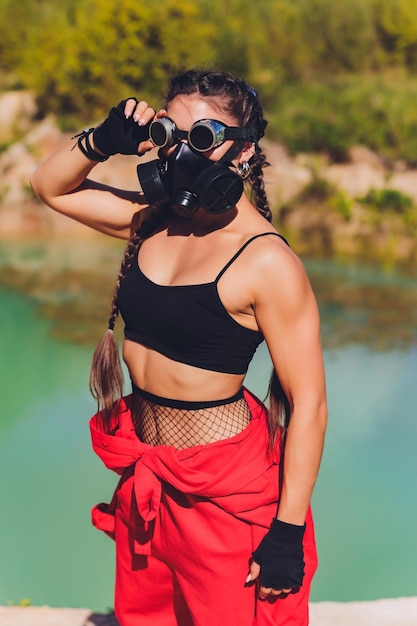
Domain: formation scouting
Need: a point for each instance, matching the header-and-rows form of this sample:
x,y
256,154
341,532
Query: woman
x,y
211,519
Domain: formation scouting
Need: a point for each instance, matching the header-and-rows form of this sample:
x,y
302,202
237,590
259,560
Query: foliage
x,y
341,203
318,190
388,200
340,35
394,205
397,24
331,73
376,110
83,60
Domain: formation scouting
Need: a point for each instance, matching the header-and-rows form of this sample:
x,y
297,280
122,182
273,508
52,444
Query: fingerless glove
x,y
281,557
118,135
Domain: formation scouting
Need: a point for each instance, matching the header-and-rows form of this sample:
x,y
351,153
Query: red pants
x,y
185,524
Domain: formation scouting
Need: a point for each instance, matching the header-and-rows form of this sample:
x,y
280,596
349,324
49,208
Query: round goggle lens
x,y
206,135
202,138
161,132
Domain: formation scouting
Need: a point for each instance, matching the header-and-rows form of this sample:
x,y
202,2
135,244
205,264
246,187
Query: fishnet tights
x,y
181,428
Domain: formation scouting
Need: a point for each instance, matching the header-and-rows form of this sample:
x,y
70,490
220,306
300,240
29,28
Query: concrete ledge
x,y
394,612
46,616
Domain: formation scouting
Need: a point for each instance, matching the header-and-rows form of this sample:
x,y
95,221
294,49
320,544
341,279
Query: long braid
x,y
256,178
279,408
130,251
106,374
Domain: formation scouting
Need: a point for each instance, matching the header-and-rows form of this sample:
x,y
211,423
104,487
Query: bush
x,y
331,116
388,200
318,190
342,204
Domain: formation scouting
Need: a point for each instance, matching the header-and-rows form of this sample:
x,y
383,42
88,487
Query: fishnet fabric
x,y
182,427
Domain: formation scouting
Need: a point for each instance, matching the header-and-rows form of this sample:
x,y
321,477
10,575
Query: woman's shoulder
x,y
270,260
260,236
267,244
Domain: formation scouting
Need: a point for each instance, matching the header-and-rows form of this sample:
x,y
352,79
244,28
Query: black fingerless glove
x,y
118,135
281,557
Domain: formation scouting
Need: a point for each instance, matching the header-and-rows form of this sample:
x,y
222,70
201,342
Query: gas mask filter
x,y
188,180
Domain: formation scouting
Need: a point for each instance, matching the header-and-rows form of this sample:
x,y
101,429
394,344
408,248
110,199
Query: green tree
x,y
81,61
341,35
396,22
15,21
262,42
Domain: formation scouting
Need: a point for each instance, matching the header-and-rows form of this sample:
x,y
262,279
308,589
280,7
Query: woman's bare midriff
x,y
159,375
179,426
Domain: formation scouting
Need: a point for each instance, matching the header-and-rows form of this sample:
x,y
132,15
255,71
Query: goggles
x,y
203,135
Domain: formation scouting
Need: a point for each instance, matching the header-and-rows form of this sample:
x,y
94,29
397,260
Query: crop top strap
x,y
239,252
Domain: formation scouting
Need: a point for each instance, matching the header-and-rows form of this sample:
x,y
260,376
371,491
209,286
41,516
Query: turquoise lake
x,y
365,500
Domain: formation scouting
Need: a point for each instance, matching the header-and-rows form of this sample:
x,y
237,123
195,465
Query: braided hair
x,y
106,375
236,98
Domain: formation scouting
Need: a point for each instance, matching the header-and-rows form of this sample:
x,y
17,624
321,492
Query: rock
x,y
363,155
406,182
285,177
356,179
45,138
17,111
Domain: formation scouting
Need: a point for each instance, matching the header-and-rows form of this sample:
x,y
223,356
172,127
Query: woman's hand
x,y
126,129
279,560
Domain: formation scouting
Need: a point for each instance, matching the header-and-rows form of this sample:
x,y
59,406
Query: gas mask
x,y
188,179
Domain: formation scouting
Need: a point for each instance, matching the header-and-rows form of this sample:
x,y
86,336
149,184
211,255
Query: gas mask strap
x,y
235,149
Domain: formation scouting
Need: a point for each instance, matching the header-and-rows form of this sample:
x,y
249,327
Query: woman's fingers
x,y
254,572
280,592
264,592
161,113
130,106
140,111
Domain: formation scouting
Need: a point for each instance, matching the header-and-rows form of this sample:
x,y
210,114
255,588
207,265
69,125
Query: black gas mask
x,y
188,179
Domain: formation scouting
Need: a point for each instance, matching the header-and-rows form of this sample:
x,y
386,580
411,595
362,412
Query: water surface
x,y
365,503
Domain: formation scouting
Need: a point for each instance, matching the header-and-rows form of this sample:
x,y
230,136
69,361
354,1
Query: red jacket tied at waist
x,y
235,474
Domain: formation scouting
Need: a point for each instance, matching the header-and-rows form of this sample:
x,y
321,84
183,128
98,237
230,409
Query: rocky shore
x,y
393,612
334,224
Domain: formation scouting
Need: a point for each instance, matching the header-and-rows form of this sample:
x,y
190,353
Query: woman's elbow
x,y
321,415
35,183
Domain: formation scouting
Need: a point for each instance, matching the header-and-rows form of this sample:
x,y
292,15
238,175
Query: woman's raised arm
x,y
61,181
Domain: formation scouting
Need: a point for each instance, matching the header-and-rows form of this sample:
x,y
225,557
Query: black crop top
x,y
187,323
